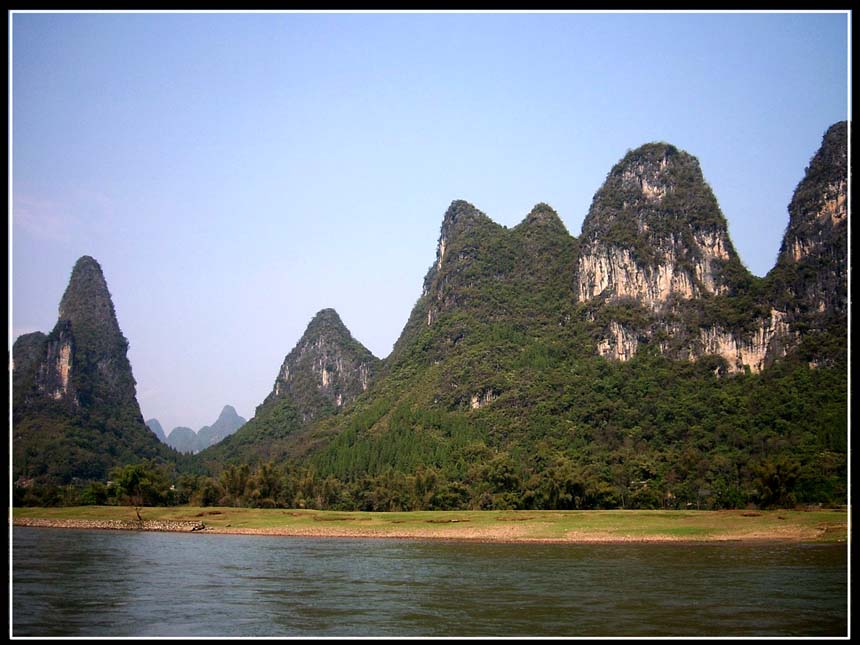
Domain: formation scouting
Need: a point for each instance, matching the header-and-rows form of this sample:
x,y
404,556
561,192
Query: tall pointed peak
x,y
653,176
460,209
87,262
836,137
655,152
82,373
87,333
652,171
87,271
462,226
228,415
87,302
822,194
155,426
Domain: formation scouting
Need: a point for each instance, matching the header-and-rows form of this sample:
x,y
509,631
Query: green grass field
x,y
823,526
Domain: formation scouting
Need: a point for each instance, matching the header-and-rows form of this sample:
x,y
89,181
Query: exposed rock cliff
x,y
323,374
654,231
53,377
655,236
754,350
811,276
804,297
28,354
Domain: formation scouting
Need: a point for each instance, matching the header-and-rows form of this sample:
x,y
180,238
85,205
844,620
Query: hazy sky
x,y
233,174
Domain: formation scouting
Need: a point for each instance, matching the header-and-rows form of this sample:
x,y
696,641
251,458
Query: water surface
x,y
119,583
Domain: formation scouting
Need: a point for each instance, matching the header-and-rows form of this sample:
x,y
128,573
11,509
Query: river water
x,y
68,582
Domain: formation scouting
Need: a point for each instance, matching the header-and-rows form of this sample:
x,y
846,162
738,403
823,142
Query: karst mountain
x,y
75,413
641,351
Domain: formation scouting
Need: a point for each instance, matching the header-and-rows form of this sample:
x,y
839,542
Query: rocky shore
x,y
118,525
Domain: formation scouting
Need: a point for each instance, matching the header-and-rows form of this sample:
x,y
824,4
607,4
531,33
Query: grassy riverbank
x,y
825,526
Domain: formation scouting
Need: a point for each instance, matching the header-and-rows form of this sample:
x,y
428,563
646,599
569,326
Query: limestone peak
x,y
228,411
654,189
326,369
820,202
79,377
655,230
87,303
812,269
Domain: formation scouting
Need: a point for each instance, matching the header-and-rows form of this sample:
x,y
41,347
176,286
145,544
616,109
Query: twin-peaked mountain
x,y
75,411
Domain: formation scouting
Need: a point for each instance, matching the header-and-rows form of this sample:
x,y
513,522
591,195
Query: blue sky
x,y
236,173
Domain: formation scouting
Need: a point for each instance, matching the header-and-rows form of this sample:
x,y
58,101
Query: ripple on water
x,y
101,583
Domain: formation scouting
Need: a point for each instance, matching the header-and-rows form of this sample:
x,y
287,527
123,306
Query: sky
x,y
234,173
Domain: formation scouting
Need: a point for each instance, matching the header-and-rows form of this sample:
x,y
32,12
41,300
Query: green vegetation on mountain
x,y
637,366
810,279
494,396
75,413
324,373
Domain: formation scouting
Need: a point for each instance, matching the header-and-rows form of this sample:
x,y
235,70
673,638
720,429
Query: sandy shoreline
x,y
501,534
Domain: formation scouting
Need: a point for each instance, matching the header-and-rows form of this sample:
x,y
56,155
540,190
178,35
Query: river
x,y
68,582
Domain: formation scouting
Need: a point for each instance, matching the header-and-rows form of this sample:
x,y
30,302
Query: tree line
x,y
499,482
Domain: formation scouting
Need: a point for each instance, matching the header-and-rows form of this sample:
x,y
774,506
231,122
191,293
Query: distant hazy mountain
x,y
184,439
155,426
226,424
